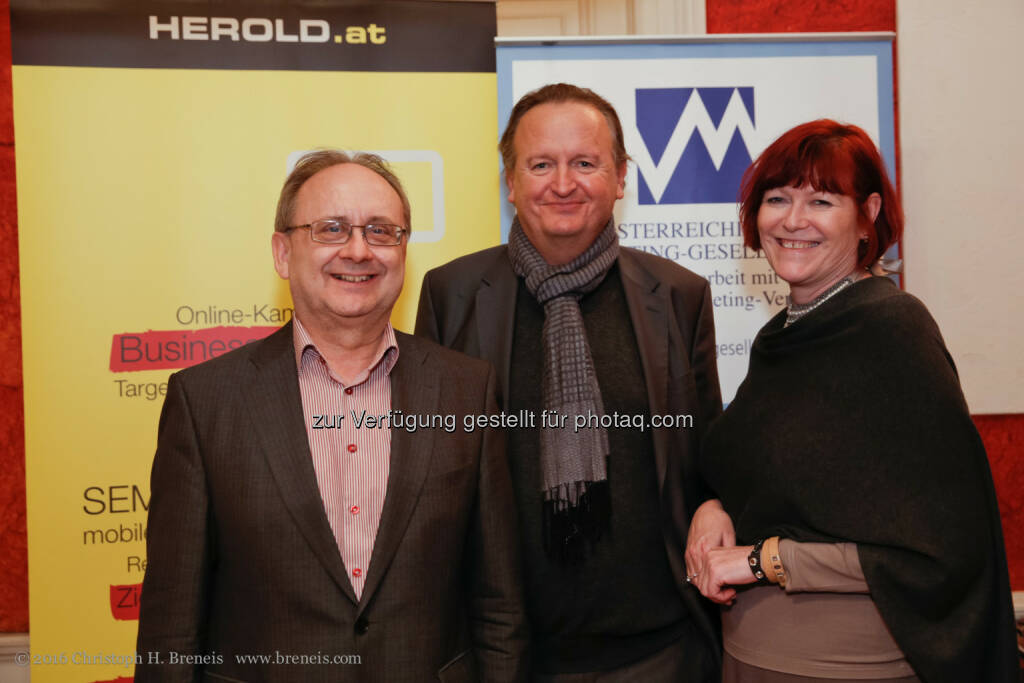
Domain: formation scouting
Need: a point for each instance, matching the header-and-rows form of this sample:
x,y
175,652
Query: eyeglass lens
x,y
337,232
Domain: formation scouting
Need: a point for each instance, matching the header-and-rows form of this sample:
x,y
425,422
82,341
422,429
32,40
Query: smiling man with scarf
x,y
578,325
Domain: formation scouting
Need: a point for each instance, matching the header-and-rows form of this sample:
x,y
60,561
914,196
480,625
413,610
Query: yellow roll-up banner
x,y
151,148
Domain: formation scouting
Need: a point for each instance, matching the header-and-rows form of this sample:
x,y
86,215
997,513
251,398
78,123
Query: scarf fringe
x,y
575,516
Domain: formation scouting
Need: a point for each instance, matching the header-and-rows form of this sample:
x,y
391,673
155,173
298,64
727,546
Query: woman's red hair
x,y
830,157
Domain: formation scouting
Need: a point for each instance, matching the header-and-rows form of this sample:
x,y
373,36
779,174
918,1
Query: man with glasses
x,y
318,511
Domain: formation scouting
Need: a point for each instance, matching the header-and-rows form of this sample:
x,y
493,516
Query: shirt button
x,y
348,390
354,509
351,448
357,572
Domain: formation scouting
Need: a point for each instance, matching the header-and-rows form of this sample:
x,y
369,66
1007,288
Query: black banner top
x,y
298,35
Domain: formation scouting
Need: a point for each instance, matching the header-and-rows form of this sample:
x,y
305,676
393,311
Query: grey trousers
x,y
735,671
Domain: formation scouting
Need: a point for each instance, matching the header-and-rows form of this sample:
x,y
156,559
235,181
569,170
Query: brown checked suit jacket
x,y
469,305
244,580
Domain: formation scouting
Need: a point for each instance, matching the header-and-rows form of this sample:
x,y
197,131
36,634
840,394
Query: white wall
x,y
961,102
599,17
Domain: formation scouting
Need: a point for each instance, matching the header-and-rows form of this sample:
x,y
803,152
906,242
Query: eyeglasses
x,y
335,231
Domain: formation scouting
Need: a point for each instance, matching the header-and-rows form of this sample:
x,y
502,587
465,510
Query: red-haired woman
x,y
856,535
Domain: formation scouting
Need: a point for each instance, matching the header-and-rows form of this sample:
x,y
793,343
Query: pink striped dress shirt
x,y
351,464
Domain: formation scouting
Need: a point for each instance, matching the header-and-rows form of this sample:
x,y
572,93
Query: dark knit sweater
x,y
620,603
851,426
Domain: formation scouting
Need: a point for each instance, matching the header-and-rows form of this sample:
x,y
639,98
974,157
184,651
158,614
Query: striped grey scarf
x,y
573,464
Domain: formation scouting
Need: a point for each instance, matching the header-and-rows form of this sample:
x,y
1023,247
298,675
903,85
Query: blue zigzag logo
x,y
696,151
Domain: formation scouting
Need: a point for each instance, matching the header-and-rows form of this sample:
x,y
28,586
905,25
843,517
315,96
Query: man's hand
x,y
711,527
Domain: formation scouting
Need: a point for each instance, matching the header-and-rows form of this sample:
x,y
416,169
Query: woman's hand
x,y
722,569
711,527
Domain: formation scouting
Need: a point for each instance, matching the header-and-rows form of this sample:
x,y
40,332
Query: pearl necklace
x,y
796,311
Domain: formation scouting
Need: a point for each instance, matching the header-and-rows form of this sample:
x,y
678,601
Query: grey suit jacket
x,y
243,569
469,305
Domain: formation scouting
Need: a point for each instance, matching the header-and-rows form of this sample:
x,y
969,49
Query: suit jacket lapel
x,y
276,407
415,388
648,310
495,319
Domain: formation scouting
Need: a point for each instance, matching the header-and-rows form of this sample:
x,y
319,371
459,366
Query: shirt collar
x,y
387,350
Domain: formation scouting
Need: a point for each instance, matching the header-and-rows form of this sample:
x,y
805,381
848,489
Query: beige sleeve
x,y
822,567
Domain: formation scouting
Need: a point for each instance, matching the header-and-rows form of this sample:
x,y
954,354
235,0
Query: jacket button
x,y
362,626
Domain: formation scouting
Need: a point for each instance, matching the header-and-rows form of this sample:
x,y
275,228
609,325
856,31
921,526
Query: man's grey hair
x,y
313,162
